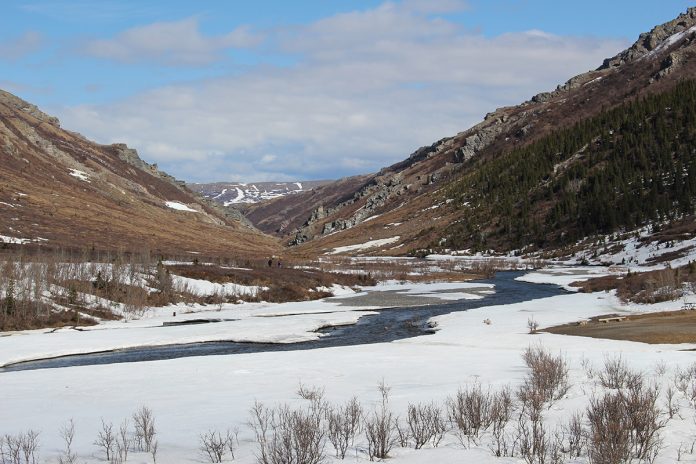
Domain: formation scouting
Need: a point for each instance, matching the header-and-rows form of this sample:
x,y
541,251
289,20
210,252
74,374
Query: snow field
x,y
192,395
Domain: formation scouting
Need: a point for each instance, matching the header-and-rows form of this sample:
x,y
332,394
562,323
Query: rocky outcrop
x,y
650,41
13,101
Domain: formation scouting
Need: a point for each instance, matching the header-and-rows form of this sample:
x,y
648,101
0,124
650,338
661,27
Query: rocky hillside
x,y
58,189
432,199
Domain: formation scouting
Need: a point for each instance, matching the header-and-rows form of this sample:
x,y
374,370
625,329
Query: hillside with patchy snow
x,y
238,193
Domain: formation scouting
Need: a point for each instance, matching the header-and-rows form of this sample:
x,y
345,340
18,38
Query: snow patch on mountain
x,y
179,206
233,193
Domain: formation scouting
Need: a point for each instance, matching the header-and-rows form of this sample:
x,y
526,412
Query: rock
x,y
649,41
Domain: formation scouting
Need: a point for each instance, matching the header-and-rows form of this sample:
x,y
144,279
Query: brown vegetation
x,y
664,327
644,287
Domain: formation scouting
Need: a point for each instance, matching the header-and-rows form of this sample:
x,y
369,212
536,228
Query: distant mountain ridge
x,y
239,193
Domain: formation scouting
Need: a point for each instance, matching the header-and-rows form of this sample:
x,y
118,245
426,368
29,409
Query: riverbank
x,y
190,396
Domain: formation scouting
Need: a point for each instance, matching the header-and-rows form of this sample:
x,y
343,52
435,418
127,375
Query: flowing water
x,y
387,325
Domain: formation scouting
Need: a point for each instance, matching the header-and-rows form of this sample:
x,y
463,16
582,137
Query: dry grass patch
x,y
669,327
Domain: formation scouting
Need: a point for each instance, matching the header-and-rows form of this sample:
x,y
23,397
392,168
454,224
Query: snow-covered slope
x,y
236,192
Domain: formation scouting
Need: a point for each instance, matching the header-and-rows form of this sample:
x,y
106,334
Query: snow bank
x,y
364,246
179,206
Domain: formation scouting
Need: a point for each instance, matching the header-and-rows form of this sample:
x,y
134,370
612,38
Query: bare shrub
x,y
500,414
153,451
310,393
672,402
469,412
20,449
685,382
122,444
215,447
426,424
624,425
533,440
106,439
380,428
144,433
403,434
67,433
577,439
616,374
285,435
660,368
549,374
532,325
344,425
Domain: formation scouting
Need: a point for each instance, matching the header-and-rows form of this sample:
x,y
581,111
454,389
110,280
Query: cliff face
x,y
59,189
409,199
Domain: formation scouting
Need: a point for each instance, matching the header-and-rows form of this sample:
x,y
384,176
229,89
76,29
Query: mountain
x,y
609,150
237,193
60,190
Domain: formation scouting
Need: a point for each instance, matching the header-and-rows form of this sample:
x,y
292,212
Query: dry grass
x,y
282,284
644,287
656,328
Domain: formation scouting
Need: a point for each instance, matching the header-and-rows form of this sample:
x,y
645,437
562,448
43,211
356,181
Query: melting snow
x,y
80,175
671,40
364,246
179,206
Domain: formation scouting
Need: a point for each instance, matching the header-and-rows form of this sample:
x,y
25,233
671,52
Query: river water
x,y
387,325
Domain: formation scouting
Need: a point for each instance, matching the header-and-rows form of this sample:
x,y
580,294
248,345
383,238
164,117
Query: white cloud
x,y
17,48
169,43
369,88
435,6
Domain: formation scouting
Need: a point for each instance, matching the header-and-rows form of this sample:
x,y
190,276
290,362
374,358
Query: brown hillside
x,y
58,189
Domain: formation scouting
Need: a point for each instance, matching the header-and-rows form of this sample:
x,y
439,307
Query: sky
x,y
284,90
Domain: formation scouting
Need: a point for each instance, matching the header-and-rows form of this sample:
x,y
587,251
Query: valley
x,y
521,291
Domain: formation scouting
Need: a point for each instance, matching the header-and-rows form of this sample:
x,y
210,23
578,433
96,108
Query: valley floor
x,y
190,396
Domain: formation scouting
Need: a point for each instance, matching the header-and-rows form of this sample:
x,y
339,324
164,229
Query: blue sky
x,y
265,90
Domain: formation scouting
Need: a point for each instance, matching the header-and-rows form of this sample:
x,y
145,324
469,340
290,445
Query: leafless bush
x,y
310,393
533,440
532,325
20,449
500,413
144,434
122,444
153,451
549,374
577,439
67,433
285,435
624,426
344,425
672,402
685,382
215,446
380,428
469,412
426,424
617,375
106,439
403,434
660,368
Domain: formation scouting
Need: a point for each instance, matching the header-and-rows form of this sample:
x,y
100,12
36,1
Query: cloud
x,y
21,46
85,10
368,88
178,43
435,6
